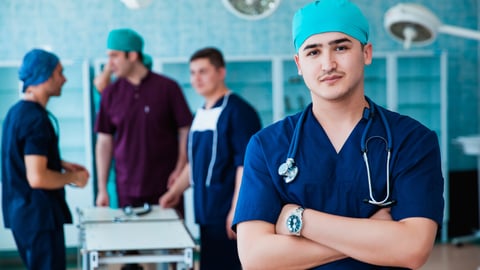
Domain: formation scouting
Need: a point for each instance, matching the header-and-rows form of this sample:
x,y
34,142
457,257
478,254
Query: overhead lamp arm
x,y
459,31
414,24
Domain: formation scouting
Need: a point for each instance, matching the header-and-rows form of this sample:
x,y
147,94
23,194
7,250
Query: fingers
x,y
231,234
383,214
167,201
170,182
102,199
81,178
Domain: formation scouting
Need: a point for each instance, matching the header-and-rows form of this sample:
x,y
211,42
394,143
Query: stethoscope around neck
x,y
289,170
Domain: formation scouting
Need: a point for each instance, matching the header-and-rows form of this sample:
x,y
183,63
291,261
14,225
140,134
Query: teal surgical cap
x,y
124,40
37,67
147,61
323,16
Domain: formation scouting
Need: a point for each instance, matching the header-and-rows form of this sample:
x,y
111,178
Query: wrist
x,y
295,221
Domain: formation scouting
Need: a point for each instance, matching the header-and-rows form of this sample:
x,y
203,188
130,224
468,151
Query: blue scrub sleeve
x,y
38,140
245,122
258,199
419,185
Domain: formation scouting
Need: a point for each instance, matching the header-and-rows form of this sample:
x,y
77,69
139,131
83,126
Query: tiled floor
x,y
443,257
450,257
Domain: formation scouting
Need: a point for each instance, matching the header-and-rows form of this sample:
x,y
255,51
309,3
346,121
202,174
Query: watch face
x,y
294,224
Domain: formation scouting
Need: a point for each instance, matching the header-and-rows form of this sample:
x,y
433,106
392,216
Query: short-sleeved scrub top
x,y
336,183
28,130
144,120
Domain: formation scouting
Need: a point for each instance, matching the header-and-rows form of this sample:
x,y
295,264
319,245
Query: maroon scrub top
x,y
144,120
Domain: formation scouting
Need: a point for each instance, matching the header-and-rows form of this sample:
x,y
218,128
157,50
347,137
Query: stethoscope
x,y
129,212
289,169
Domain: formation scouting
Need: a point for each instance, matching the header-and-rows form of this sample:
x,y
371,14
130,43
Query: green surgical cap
x,y
147,61
323,16
124,40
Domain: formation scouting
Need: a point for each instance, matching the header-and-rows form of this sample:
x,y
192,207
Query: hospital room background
x,y
437,84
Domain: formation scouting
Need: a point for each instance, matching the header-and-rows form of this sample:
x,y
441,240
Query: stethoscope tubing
x,y
289,169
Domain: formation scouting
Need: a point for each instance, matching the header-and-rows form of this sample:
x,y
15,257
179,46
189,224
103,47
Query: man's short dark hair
x,y
213,54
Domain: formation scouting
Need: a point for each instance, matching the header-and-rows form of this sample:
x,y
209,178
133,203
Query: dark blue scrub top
x,y
27,130
336,183
216,149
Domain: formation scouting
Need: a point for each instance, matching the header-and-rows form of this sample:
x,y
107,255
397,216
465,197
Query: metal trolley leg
x,y
92,258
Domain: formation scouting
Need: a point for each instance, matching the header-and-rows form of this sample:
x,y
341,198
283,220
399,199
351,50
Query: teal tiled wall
x,y
77,30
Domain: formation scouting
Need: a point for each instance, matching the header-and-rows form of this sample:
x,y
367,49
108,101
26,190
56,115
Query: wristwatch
x,y
295,221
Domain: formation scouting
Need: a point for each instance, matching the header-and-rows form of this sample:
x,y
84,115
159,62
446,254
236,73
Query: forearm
x,y
182,183
50,179
370,240
103,153
182,148
41,177
172,197
238,182
103,79
266,250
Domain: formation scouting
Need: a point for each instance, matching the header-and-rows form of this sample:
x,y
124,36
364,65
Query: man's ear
x,y
133,56
367,53
297,62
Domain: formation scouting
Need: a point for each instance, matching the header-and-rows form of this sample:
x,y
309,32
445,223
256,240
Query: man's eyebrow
x,y
333,42
311,46
337,41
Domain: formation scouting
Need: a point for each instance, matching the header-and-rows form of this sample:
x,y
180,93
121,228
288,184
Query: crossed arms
x,y
325,238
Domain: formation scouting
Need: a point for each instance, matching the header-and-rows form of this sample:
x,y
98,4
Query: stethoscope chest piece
x,y
288,170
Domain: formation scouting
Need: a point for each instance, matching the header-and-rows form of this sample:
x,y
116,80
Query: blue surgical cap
x,y
125,40
37,67
323,16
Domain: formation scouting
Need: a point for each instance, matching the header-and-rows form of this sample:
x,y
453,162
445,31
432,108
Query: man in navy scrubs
x,y
33,173
310,198
216,148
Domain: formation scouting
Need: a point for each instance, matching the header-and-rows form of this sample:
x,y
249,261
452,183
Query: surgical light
x,y
414,24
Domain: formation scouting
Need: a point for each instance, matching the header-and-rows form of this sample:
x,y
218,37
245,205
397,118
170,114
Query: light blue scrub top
x,y
336,183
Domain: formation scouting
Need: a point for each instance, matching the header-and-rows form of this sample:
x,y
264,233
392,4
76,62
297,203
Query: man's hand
x,y
103,198
173,176
382,214
169,200
79,172
80,178
230,233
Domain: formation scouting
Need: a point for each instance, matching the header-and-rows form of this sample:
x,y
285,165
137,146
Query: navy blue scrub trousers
x,y
42,250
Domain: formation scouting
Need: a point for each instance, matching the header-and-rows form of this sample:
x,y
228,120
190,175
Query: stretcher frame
x,y
107,235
